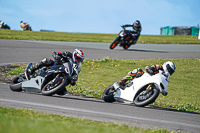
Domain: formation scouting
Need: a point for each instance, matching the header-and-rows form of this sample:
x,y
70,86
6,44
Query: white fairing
x,y
35,83
128,94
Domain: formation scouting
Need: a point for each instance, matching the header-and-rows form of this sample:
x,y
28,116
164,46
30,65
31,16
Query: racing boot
x,y
27,71
131,75
119,85
30,69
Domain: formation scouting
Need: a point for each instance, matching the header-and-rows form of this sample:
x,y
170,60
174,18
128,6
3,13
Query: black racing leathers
x,y
135,31
59,57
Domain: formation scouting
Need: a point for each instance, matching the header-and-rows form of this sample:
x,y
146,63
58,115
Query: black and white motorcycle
x,y
140,91
3,25
48,80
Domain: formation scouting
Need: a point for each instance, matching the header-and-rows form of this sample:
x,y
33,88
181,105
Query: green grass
x,y
92,37
183,93
95,76
29,121
164,39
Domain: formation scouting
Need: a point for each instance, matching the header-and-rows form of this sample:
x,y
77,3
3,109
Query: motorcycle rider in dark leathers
x,y
76,57
135,32
3,25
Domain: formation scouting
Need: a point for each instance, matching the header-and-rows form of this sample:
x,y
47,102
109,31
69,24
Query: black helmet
x,y
21,22
137,23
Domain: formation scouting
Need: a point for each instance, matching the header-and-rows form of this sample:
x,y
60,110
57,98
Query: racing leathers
x,y
135,32
23,25
59,58
138,73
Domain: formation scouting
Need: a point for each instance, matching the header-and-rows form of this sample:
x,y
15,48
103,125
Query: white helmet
x,y
78,56
169,67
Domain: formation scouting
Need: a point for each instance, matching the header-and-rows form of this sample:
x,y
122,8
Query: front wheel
x,y
146,96
54,87
107,95
16,83
114,43
126,46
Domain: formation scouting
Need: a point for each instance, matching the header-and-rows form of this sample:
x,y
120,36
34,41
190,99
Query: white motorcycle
x,y
140,91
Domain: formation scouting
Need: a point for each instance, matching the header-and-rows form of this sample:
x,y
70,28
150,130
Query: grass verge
x,y
29,121
92,37
96,75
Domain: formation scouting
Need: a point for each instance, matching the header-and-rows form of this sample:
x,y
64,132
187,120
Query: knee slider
x,y
47,61
136,70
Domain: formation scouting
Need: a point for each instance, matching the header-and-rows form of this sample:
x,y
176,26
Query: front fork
x,y
146,94
148,89
55,80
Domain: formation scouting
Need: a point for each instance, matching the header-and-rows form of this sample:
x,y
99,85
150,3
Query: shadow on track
x,y
140,50
99,100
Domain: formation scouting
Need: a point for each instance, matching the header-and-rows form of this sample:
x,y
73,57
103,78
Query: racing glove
x,y
56,56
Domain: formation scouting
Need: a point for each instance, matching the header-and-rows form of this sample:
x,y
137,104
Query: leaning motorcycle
x,y
4,26
140,91
124,39
48,80
28,27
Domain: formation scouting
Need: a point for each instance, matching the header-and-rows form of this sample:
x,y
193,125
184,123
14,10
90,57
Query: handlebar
x,y
122,27
126,31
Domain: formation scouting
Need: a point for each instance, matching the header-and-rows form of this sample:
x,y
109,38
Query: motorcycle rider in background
x,y
135,33
168,68
2,23
23,25
76,57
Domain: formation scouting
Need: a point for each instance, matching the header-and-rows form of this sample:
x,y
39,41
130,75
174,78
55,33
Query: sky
x,y
99,16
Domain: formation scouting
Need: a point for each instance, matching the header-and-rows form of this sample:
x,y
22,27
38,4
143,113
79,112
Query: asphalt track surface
x,y
12,51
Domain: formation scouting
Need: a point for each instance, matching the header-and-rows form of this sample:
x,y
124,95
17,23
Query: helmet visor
x,y
78,60
169,69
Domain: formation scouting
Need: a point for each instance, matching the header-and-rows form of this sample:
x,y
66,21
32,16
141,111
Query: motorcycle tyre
x,y
55,90
126,46
108,98
114,43
62,92
16,86
149,100
29,28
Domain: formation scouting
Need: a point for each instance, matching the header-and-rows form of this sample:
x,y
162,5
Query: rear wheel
x,y
114,43
107,95
54,87
16,83
146,96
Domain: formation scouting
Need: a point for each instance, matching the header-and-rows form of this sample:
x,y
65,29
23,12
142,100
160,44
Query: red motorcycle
x,y
124,39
